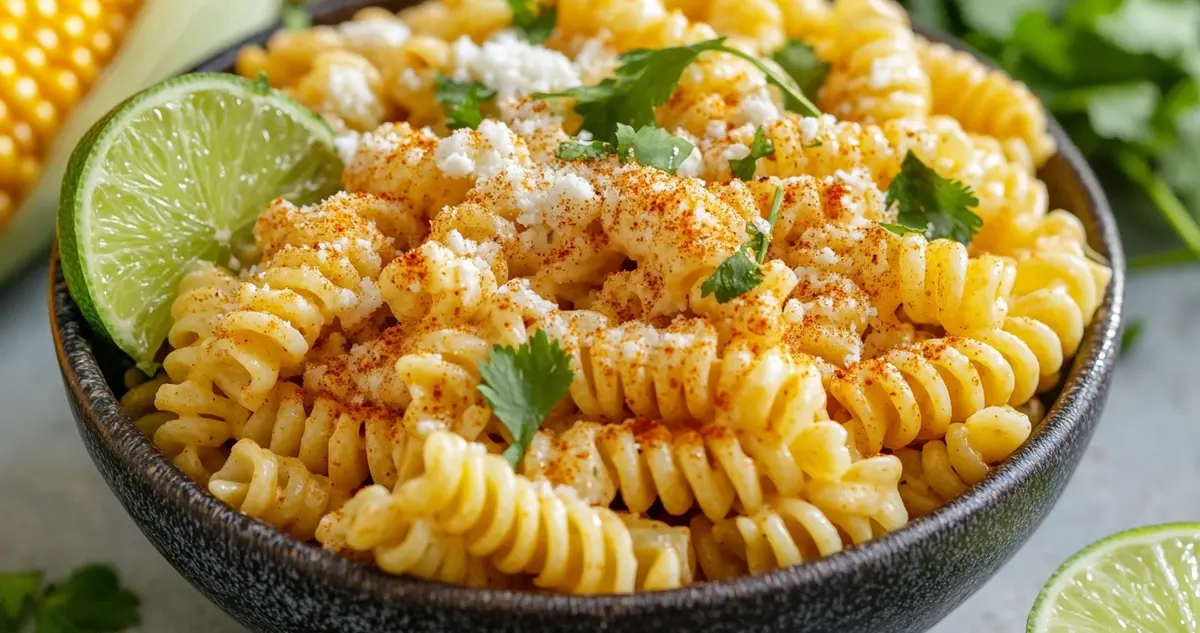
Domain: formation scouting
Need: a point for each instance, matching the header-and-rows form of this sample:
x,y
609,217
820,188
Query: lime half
x,y
1145,580
177,174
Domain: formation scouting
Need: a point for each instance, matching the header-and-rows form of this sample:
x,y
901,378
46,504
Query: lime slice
x,y
177,174
1145,580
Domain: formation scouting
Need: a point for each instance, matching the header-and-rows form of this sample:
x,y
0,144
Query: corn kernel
x,y
51,52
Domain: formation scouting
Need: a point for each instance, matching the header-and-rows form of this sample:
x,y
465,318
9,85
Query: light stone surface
x,y
56,512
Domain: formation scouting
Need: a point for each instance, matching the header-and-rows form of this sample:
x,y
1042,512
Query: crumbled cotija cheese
x,y
512,66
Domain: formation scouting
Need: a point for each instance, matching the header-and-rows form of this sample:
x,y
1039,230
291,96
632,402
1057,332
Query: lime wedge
x,y
1145,580
173,175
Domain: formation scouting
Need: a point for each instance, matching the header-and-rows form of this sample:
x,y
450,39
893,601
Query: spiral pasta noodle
x,y
202,422
787,531
914,392
876,74
523,527
708,466
318,268
943,469
277,490
414,548
985,101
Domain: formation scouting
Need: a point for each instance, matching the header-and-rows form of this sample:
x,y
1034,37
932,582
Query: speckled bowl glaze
x,y
903,582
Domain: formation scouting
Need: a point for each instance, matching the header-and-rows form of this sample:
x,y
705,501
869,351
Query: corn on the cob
x,y
51,52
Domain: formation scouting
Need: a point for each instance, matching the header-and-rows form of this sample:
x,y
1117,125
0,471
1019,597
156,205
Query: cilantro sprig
x,y
760,147
1123,78
742,271
462,101
521,384
646,78
651,146
929,204
533,20
801,63
91,600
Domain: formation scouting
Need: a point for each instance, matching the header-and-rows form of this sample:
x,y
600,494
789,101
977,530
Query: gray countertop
x,y
56,512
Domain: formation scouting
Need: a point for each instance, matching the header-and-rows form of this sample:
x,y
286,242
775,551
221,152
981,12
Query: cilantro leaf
x,y
652,146
522,384
583,150
534,26
92,600
462,101
801,63
16,595
936,206
760,147
645,79
741,272
735,276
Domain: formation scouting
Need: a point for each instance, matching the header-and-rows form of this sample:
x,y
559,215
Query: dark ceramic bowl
x,y
902,582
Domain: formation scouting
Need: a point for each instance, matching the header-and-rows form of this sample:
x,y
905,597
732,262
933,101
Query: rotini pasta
x,y
985,101
876,73
707,466
942,469
277,490
532,352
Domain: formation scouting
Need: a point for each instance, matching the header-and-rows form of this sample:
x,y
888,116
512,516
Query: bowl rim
x,y
136,454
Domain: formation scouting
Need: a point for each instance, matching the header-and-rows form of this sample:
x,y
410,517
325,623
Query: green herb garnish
x,y
760,147
742,271
462,101
522,384
533,20
92,600
929,204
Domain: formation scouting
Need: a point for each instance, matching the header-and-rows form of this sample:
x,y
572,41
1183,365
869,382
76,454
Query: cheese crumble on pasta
x,y
762,368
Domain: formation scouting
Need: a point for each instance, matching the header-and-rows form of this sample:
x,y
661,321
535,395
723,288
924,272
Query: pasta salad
x,y
624,295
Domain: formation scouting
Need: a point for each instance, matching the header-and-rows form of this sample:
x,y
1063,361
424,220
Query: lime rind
x,y
1169,606
173,175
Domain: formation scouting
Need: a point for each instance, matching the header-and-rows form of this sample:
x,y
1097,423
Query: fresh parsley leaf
x,y
462,101
522,384
1129,337
801,63
92,600
900,229
1180,162
645,79
742,272
583,150
533,25
1038,39
760,147
936,206
735,276
17,591
652,146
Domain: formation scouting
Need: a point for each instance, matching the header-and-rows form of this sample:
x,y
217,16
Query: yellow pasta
x,y
762,371
875,74
566,544
942,470
709,466
984,100
277,490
